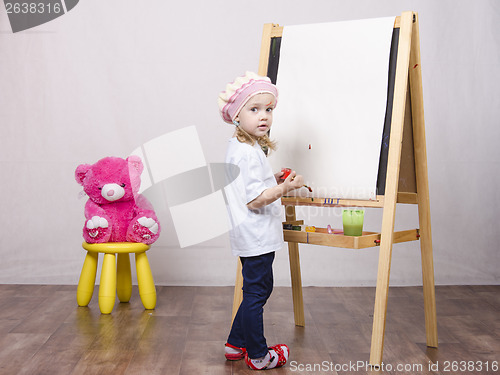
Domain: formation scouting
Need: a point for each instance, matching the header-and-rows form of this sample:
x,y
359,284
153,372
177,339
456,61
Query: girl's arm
x,y
292,182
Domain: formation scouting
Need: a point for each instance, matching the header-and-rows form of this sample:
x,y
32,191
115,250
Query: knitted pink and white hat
x,y
239,92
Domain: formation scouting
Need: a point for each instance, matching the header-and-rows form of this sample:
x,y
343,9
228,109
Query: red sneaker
x,y
278,356
235,356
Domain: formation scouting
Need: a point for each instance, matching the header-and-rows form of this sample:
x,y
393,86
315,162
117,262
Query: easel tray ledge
x,y
366,240
402,197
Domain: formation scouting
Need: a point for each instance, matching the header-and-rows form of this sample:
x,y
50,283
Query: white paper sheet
x,y
332,82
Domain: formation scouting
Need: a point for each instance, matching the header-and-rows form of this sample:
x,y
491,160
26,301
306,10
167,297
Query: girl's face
x,y
256,116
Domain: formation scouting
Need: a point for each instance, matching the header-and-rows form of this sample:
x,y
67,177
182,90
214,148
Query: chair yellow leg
x,y
116,277
107,289
145,281
123,278
87,279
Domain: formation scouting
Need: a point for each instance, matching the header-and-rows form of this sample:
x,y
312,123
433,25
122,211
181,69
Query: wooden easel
x,y
407,141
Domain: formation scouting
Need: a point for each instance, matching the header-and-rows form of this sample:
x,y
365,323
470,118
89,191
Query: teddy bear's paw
x,y
149,223
93,227
145,230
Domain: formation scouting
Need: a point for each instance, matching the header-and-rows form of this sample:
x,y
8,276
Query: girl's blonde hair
x,y
264,141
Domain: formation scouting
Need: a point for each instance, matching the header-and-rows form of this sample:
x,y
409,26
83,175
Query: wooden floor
x,y
42,331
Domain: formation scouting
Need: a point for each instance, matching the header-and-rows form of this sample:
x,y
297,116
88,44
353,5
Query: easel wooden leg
x,y
298,301
238,290
391,188
428,282
424,214
293,253
381,296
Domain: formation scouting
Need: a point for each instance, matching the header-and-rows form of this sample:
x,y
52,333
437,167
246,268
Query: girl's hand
x,y
278,176
293,181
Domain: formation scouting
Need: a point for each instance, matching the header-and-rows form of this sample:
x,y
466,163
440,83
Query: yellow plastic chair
x,y
116,277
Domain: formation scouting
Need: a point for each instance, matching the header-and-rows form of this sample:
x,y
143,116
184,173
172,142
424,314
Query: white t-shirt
x,y
253,232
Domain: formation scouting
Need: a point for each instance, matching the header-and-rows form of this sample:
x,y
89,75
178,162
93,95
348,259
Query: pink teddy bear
x,y
115,212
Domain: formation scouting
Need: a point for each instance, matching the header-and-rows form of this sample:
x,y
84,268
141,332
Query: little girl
x,y
248,103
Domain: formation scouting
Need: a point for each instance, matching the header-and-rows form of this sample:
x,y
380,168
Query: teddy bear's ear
x,y
81,172
136,162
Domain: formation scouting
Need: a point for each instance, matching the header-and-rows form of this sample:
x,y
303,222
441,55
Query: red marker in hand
x,y
286,173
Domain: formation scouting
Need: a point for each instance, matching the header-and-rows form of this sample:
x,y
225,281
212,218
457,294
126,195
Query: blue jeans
x,y
248,326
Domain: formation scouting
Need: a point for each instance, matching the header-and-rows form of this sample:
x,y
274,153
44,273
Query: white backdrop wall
x,y
111,75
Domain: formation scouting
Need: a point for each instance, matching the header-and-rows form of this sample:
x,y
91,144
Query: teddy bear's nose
x,y
112,192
